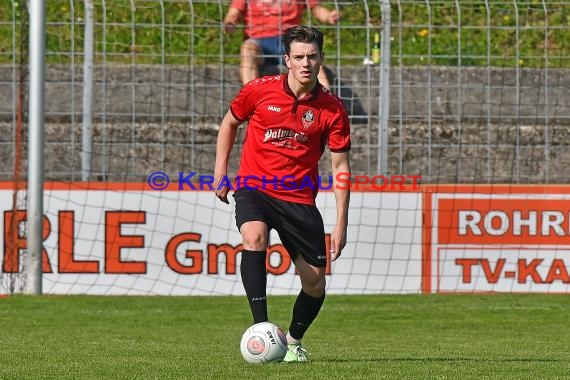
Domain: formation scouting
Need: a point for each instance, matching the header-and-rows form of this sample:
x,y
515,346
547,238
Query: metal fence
x,y
467,91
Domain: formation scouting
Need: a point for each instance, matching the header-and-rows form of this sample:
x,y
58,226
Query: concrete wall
x,y
419,94
469,132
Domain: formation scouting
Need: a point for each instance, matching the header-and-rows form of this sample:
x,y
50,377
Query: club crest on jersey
x,y
308,118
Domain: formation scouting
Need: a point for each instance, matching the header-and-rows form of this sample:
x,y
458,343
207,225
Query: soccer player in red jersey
x,y
291,119
265,21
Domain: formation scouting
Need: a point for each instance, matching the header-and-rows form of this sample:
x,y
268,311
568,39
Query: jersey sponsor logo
x,y
284,134
308,118
274,108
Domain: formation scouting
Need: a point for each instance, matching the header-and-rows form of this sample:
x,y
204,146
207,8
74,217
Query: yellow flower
x,y
424,32
506,18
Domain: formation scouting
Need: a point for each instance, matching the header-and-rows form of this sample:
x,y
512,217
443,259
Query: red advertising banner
x,y
496,239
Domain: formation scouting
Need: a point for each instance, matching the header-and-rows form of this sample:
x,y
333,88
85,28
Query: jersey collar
x,y
313,94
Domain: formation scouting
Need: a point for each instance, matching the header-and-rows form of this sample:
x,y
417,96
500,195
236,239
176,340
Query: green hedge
x,y
192,32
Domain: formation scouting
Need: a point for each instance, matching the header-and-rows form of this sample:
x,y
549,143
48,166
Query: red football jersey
x,y
286,137
268,18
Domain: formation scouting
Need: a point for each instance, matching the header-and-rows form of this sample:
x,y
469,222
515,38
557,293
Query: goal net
x,y
459,148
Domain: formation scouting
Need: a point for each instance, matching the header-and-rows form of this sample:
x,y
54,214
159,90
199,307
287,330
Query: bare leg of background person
x,y
323,78
250,61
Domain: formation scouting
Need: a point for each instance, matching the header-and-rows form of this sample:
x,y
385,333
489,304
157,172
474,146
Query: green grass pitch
x,y
354,337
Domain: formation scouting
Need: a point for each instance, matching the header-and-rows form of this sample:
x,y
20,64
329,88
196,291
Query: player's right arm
x,y
224,144
233,17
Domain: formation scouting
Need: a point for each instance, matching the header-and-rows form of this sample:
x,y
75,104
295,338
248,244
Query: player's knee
x,y
315,287
254,240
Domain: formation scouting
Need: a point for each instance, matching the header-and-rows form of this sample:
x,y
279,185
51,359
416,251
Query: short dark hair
x,y
302,33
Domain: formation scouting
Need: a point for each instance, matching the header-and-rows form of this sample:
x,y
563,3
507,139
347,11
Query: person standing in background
x,y
265,21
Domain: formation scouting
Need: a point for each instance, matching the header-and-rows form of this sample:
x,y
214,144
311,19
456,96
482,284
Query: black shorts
x,y
300,226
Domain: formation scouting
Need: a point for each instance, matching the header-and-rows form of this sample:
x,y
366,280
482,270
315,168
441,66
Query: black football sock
x,y
304,313
254,279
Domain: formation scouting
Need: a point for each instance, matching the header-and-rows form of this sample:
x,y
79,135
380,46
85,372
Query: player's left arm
x,y
340,165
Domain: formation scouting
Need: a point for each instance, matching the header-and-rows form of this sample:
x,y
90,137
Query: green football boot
x,y
296,353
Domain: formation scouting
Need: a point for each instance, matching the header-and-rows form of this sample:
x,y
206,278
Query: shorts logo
x,y
308,118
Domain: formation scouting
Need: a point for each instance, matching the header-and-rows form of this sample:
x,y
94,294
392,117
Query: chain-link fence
x,y
477,90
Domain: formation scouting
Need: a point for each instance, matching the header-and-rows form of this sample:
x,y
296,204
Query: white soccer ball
x,y
263,342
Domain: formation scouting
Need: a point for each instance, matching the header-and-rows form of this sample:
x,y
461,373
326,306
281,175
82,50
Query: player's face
x,y
304,62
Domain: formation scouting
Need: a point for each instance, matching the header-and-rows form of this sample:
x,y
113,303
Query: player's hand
x,y
231,20
333,17
221,191
338,241
229,26
222,194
